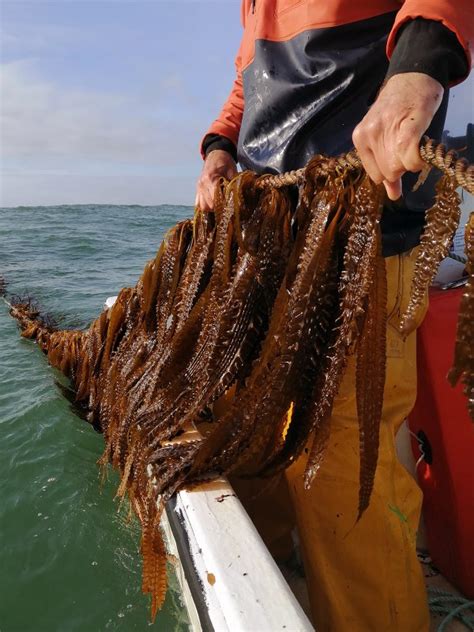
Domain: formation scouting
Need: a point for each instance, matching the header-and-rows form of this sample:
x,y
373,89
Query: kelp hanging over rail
x,y
260,297
464,351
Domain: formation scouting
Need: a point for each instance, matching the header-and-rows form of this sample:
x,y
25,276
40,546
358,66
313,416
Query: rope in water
x,y
452,606
433,154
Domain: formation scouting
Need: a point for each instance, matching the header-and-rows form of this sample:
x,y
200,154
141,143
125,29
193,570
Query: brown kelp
x,y
442,219
463,366
262,296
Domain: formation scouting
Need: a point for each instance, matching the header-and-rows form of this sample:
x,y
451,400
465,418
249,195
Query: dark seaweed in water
x,y
239,298
3,286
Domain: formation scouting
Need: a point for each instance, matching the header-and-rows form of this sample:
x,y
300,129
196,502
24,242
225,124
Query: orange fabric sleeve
x,y
456,15
228,122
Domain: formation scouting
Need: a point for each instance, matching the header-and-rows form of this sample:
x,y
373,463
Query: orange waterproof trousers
x,y
361,577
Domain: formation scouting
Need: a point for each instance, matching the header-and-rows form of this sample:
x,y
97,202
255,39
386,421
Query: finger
x,y
231,172
408,151
208,198
203,198
362,138
203,201
394,189
389,164
370,164
198,202
212,186
204,206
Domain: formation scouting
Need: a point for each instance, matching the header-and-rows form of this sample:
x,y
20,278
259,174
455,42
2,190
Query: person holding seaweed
x,y
318,78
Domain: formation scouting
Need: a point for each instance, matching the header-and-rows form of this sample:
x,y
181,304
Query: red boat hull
x,y
441,420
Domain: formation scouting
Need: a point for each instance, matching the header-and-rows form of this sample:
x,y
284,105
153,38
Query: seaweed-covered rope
x,y
434,155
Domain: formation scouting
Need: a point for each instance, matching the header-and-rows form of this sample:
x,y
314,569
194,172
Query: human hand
x,y
217,164
388,137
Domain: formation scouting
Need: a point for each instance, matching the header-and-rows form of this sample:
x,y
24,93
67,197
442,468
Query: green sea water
x,y
69,557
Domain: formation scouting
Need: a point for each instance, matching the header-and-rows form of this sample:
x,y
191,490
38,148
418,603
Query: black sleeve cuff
x,y
429,47
216,141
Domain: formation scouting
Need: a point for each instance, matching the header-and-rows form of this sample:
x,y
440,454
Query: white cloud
x,y
46,129
40,119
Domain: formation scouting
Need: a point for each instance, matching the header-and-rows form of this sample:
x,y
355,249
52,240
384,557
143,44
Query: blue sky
x,y
107,101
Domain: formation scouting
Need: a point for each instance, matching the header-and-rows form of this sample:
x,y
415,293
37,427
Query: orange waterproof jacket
x,y
308,71
280,21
